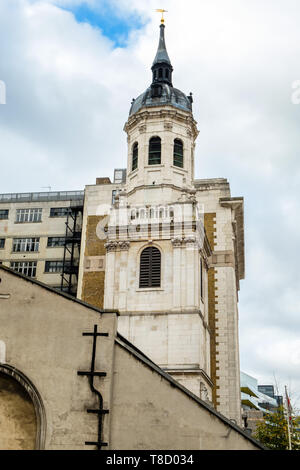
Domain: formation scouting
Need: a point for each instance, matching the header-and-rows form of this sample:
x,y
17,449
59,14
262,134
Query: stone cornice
x,y
237,205
140,119
150,186
122,245
212,184
199,371
205,251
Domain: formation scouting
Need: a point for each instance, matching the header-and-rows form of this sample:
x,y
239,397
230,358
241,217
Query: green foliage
x,y
273,431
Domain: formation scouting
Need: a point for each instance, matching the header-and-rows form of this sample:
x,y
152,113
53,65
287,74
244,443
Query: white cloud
x,y
68,96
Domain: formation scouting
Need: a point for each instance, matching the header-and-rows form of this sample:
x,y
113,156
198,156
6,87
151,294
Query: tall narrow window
x,y
150,267
154,151
178,153
135,153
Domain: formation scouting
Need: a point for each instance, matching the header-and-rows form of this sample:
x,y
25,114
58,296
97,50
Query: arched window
x,y
154,151
20,398
160,73
178,153
167,73
135,153
150,267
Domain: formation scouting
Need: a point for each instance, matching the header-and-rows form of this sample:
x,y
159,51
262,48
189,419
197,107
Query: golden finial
x,y
160,10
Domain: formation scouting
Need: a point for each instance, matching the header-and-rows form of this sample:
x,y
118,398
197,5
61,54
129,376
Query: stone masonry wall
x,y
93,277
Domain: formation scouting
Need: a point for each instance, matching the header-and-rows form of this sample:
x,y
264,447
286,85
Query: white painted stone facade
x,y
170,324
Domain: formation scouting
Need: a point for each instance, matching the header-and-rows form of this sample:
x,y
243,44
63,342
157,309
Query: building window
x,y
56,241
178,153
120,175
53,266
28,268
150,267
59,211
4,214
26,244
115,192
154,151
135,152
2,243
29,215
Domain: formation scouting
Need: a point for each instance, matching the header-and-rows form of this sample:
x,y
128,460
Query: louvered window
x,y
135,152
178,153
154,151
150,267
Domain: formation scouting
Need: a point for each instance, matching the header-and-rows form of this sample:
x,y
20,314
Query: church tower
x,y
161,130
169,253
157,279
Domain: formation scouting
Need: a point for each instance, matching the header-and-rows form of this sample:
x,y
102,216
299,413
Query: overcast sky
x,y
71,69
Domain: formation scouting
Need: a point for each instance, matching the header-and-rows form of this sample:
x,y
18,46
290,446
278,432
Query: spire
x,y
162,68
161,55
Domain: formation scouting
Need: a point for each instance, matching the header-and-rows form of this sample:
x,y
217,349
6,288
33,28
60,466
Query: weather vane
x,y
160,10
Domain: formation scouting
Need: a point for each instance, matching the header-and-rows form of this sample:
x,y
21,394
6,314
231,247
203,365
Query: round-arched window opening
x,y
154,157
23,418
135,154
150,267
178,153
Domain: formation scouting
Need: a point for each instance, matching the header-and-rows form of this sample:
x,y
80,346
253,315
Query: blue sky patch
x,y
112,24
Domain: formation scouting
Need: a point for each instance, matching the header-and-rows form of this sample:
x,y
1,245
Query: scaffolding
x,y
71,249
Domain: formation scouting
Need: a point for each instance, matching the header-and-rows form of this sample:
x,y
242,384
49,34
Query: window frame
x,y
25,266
31,215
152,154
54,269
58,245
62,214
135,156
4,214
151,283
178,157
26,244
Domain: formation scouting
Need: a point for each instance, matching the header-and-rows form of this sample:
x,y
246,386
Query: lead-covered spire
x,y
162,68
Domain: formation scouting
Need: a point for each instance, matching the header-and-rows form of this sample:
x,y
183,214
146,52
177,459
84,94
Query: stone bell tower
x,y
157,250
172,255
161,130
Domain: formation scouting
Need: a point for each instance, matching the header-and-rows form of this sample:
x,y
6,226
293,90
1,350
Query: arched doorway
x,y
22,415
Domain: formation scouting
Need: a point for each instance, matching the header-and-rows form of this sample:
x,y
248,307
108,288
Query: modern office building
x,y
257,400
40,236
269,391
